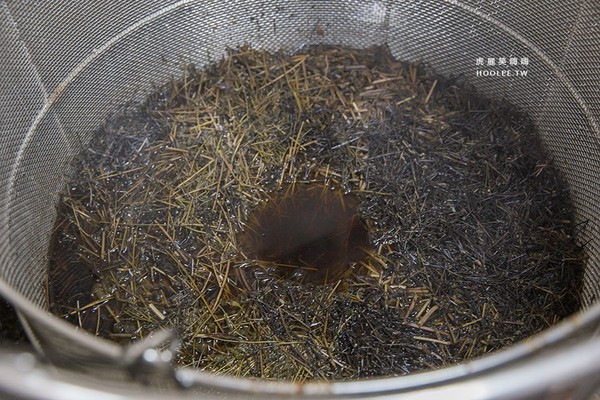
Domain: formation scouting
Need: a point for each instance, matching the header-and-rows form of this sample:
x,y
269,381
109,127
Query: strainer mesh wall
x,y
66,65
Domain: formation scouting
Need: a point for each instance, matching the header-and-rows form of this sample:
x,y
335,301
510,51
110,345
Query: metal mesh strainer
x,y
66,65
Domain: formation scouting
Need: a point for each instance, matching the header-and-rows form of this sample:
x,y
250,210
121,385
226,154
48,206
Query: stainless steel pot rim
x,y
112,353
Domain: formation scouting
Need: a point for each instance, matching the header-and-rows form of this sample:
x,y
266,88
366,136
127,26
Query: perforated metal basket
x,y
66,65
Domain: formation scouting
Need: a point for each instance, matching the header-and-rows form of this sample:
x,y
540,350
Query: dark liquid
x,y
309,231
468,222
